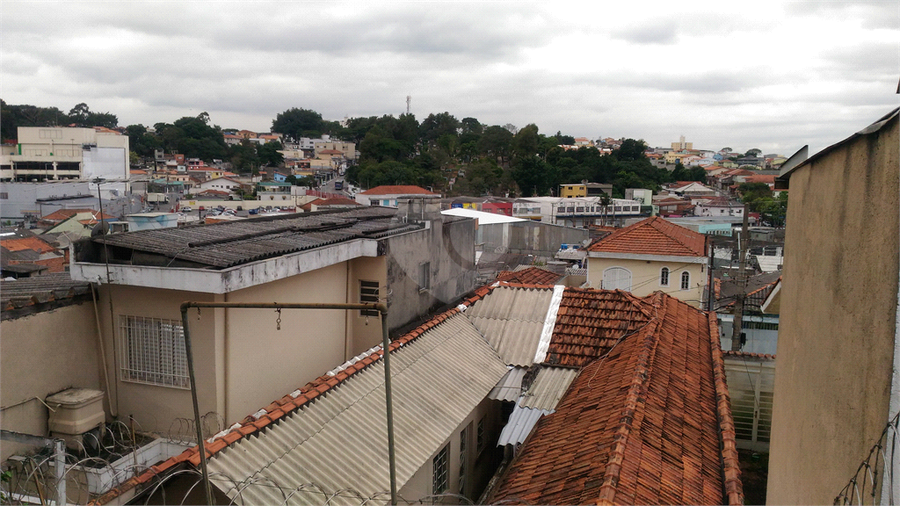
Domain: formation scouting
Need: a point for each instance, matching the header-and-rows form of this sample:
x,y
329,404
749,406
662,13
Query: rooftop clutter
x,y
639,414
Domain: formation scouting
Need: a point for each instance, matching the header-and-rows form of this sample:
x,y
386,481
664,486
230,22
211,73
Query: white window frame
x,y
152,351
685,280
664,274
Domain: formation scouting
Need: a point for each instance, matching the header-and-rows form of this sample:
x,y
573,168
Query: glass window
x,y
685,280
664,276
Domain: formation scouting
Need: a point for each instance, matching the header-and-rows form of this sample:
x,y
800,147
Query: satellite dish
x,y
101,228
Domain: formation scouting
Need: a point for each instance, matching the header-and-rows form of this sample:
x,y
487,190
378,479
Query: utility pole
x,y
742,286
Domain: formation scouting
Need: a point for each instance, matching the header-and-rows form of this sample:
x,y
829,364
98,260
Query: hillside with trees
x,y
444,153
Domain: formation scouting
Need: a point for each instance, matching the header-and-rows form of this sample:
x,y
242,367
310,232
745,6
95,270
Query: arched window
x,y
664,276
685,280
616,278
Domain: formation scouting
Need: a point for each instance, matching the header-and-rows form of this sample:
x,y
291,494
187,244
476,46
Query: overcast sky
x,y
772,75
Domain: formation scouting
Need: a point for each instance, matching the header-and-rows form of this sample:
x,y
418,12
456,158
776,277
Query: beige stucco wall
x,y
161,409
263,364
40,355
836,335
480,466
243,362
645,277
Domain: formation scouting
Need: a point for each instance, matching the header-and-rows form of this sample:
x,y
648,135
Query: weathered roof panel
x,y
509,388
226,244
306,446
549,386
511,319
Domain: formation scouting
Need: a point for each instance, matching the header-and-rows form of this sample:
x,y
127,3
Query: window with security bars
x,y
368,294
152,351
440,475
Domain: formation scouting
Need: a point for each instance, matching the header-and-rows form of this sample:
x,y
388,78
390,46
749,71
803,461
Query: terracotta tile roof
x,y
648,423
760,178
531,275
64,214
95,218
653,236
27,295
397,190
27,243
589,322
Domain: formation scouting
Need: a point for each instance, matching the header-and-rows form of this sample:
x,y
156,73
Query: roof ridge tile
x,y
633,401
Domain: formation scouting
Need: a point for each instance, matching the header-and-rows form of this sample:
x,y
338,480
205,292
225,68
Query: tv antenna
x,y
408,100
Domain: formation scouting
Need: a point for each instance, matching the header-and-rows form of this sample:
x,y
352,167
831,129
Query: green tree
x,y
79,114
295,123
753,152
526,142
268,154
496,142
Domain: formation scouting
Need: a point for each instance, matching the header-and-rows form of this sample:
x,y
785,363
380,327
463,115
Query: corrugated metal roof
x,y
232,243
548,387
520,423
434,390
509,388
511,319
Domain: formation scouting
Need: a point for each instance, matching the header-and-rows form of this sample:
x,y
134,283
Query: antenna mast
x,y
408,99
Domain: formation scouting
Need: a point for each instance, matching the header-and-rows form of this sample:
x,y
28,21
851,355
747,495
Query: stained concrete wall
x,y
836,335
529,238
449,248
42,354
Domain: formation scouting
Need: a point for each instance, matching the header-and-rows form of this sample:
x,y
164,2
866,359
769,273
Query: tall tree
x,y
295,123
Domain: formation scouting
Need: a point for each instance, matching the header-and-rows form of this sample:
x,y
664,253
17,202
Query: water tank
x,y
75,411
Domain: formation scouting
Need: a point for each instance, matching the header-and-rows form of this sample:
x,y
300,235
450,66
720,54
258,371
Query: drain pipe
x,y
381,308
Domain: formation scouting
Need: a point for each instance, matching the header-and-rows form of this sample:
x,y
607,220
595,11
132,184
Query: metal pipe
x,y
381,308
386,349
200,443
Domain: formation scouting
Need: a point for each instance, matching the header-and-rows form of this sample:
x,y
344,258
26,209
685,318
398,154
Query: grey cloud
x,y
652,32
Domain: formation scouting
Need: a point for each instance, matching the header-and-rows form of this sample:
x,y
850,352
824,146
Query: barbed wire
x,y
869,478
106,454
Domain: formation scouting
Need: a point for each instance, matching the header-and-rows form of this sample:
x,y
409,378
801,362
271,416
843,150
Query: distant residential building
x,y
681,145
575,211
388,195
651,255
644,196
584,190
53,153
